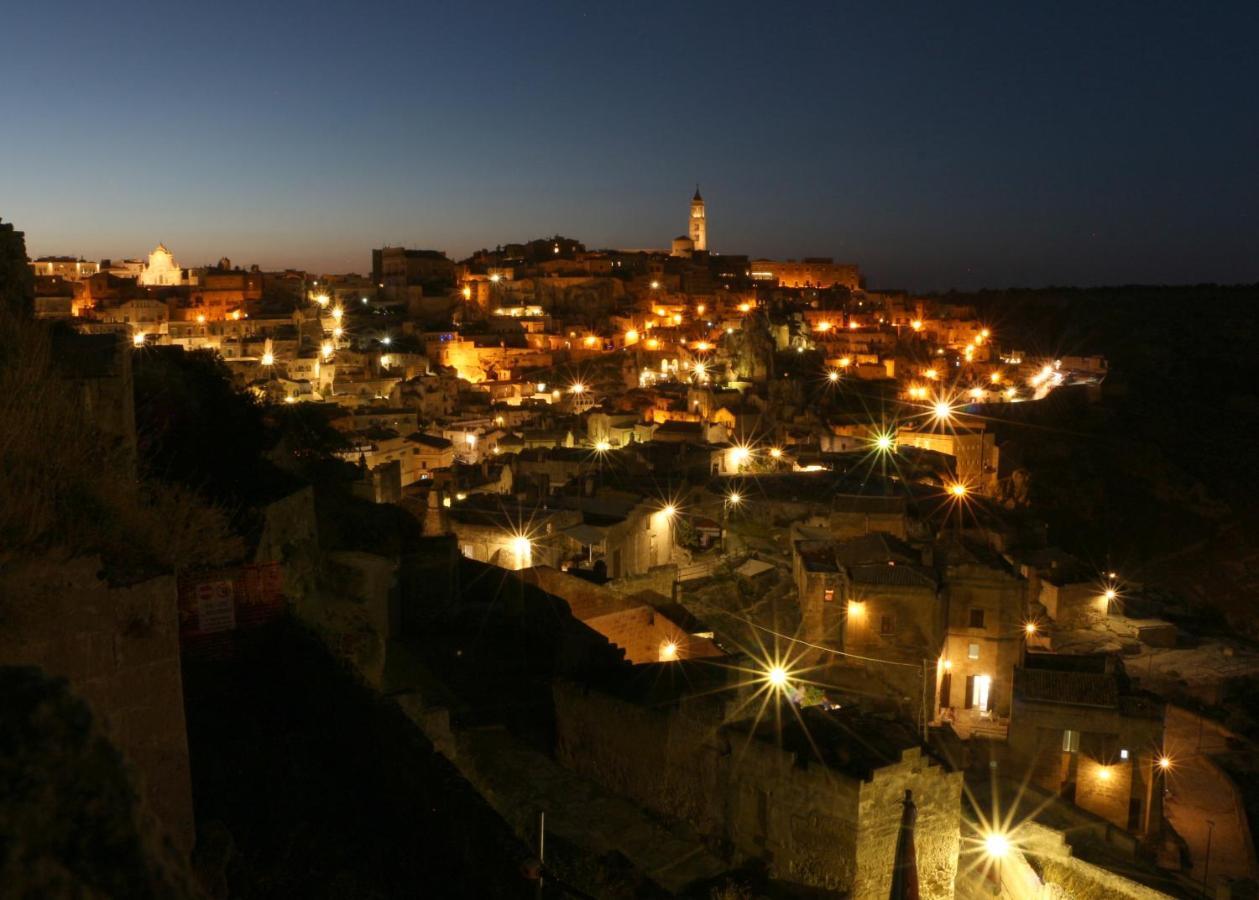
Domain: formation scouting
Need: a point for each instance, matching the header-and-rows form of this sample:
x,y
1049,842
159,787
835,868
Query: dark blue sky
x,y
936,144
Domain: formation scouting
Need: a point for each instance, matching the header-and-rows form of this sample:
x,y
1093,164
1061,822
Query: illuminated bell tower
x,y
699,224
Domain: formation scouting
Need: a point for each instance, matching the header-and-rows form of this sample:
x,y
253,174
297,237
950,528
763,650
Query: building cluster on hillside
x,y
626,427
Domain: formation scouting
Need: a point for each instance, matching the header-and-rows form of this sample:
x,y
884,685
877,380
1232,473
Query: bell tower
x,y
699,223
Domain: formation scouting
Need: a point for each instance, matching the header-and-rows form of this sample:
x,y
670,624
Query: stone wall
x,y
659,579
1062,874
119,650
808,823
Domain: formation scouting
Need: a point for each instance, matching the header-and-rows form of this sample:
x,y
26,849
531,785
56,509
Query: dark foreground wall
x,y
307,784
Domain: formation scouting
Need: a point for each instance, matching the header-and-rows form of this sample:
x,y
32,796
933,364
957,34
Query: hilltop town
x,y
710,568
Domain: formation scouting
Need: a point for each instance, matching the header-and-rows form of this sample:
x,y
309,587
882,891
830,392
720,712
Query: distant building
x,y
397,268
698,230
67,267
814,272
162,270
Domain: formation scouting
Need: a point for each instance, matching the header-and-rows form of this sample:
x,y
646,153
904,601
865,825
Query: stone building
x,y
1081,732
987,608
68,267
697,229
819,804
811,272
973,448
869,595
646,625
161,269
510,535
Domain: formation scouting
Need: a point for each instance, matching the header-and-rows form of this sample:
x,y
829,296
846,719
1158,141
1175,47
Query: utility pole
x,y
1206,865
925,701
541,851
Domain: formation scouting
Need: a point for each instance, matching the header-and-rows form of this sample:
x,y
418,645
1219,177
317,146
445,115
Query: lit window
x,y
1070,741
828,595
1123,754
972,651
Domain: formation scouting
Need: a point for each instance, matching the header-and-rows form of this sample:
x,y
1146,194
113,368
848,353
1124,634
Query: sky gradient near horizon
x,y
935,145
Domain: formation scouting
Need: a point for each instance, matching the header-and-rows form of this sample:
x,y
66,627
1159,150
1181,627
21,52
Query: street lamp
x,y
997,847
777,677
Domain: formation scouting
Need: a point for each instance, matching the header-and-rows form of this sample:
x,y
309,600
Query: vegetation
x,y
68,486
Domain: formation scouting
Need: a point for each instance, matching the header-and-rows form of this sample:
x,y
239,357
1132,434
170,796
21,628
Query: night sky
x,y
937,144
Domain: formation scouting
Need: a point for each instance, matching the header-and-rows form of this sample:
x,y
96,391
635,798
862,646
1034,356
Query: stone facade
x,y
808,822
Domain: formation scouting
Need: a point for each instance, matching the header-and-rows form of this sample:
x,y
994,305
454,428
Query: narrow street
x,y
1199,793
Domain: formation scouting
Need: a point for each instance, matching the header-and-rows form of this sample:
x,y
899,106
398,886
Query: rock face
x,y
71,821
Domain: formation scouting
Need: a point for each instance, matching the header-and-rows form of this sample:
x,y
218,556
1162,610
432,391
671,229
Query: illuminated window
x,y
1123,754
828,595
972,650
1070,741
976,619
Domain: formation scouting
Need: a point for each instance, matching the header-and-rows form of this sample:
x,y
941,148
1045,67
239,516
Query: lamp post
x,y
997,846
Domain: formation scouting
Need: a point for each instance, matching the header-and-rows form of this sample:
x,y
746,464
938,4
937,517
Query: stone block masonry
x,y
118,647
808,822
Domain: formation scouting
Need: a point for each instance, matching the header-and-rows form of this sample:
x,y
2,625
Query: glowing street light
x,y
833,375
326,349
734,498
655,285
337,332
578,388
778,677
1164,763
337,313
775,452
669,510
884,442
321,299
1030,628
268,358
916,324
138,339
740,455
942,410
603,446
522,547
996,845
668,651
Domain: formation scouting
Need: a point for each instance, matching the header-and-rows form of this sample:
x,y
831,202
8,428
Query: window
x,y
887,625
972,650
976,618
828,595
1123,754
1070,741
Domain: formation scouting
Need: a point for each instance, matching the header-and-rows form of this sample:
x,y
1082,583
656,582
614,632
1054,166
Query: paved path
x,y
1199,792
